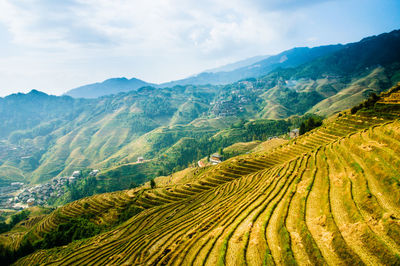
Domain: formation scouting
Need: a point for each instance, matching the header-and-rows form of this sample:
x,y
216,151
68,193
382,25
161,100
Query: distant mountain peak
x,y
36,92
107,87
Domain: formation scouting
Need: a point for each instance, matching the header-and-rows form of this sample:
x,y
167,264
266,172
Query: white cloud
x,y
61,44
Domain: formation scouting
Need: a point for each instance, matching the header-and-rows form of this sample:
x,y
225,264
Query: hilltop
x,y
107,87
330,196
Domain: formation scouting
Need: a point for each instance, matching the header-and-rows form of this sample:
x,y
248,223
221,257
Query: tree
x,y
302,128
152,183
309,124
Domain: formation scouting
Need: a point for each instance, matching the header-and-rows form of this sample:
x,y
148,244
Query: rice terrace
x,y
171,132
330,196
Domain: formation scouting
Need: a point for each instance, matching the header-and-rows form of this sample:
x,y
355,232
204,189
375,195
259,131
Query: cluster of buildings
x,y
23,196
233,104
247,84
6,191
224,108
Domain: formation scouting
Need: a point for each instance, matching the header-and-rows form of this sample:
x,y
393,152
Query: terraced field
x,y
103,207
331,196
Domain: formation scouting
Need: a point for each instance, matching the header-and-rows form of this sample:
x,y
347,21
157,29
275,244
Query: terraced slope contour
x,y
330,196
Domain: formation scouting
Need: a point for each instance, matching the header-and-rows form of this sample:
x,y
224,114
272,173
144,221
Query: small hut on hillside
x,y
215,159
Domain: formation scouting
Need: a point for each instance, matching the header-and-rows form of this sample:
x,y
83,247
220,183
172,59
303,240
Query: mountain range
x,y
253,68
43,136
250,68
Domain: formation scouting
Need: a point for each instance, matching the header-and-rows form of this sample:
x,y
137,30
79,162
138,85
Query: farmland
x,y
330,196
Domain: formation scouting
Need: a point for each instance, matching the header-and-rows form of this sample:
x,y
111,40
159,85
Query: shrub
x,y
74,229
309,124
152,183
128,212
16,218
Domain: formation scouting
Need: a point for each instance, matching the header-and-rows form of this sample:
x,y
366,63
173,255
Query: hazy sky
x,y
54,46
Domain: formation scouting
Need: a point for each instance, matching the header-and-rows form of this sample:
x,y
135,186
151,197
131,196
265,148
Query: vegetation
x,y
330,196
187,151
45,136
309,124
15,218
368,104
74,229
152,183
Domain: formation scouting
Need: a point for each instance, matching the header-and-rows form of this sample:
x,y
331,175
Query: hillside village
x,y
19,196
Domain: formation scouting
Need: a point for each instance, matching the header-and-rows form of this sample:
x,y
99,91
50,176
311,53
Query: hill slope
x,y
290,58
26,111
238,64
330,196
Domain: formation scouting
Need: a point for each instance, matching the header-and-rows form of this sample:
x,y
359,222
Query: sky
x,y
54,46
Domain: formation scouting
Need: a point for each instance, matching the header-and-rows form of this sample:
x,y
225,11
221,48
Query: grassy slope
x,y
330,196
117,130
11,173
352,94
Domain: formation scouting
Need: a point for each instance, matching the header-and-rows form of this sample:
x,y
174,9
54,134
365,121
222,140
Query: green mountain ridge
x,y
53,136
248,68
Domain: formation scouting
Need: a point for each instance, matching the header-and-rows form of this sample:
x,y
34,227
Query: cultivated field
x,y
331,196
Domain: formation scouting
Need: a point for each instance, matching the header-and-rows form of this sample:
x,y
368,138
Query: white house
x,y
76,174
294,133
215,159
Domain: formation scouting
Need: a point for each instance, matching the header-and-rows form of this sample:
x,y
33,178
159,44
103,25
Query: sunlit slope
x,y
351,93
328,197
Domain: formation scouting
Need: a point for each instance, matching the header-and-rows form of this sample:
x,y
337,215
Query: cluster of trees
x,y
180,156
127,213
87,187
138,123
156,106
262,129
74,229
298,102
15,218
8,256
370,102
123,177
309,124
